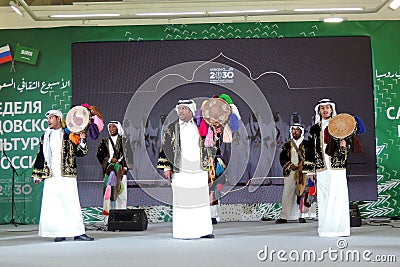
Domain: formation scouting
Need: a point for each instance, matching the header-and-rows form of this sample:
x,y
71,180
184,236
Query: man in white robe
x,y
292,159
110,154
332,191
184,161
60,215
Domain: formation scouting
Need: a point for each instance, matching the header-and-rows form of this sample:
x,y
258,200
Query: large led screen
x,y
273,82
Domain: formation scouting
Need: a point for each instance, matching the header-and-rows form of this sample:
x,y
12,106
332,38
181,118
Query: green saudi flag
x,y
26,54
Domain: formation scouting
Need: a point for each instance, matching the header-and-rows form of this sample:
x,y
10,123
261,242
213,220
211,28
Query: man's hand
x,y
293,167
83,139
168,174
217,129
343,143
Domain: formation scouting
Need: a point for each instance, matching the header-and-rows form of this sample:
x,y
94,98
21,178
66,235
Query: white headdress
x,y
55,112
119,127
324,101
46,137
189,103
295,126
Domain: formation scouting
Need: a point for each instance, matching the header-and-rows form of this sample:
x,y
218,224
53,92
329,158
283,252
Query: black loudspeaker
x,y
355,216
127,220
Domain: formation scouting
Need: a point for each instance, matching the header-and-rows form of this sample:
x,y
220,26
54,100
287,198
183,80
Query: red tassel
x,y
327,137
357,147
203,128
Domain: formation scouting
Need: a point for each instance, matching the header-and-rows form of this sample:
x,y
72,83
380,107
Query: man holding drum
x,y
60,215
330,170
185,160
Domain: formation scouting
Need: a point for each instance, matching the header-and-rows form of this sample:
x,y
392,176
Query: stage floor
x,y
264,243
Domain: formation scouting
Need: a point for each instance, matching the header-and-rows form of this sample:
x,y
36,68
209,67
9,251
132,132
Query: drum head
x,y
77,119
215,111
342,126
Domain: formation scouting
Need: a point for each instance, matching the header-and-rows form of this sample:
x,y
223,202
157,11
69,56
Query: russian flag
x,y
5,54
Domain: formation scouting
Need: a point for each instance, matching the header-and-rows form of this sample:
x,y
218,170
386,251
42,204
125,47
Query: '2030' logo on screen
x,y
19,189
221,75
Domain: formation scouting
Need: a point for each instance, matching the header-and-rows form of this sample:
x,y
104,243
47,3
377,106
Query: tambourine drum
x,y
301,183
78,118
342,125
215,111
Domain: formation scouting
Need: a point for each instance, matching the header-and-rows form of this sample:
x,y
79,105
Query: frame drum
x,y
342,125
78,118
215,111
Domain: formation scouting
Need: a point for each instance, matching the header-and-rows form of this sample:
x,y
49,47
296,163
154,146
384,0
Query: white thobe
x,y
60,214
191,203
290,208
332,199
122,197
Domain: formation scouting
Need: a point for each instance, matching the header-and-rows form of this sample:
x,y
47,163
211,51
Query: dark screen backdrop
x,y
292,74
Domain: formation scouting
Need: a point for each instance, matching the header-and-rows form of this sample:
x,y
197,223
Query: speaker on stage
x,y
355,216
127,220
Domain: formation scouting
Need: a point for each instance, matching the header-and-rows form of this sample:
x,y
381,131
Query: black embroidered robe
x,y
337,156
68,166
286,152
103,152
171,150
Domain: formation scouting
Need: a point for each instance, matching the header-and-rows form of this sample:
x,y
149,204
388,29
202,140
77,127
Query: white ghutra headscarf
x,y
295,126
46,138
324,101
188,103
121,131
